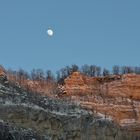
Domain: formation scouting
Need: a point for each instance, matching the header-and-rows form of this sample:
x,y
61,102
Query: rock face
x,y
80,84
26,116
10,132
127,86
116,96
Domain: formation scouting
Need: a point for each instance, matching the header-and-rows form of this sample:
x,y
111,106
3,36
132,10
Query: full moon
x,y
50,32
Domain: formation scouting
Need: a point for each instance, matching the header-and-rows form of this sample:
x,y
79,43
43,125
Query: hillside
x,y
84,108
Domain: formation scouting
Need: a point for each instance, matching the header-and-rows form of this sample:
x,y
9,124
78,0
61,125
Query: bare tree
x,y
22,75
85,69
37,74
127,69
105,72
74,68
98,71
137,70
92,70
116,70
58,76
49,75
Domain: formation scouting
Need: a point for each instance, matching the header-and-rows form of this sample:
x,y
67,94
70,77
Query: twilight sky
x,y
100,32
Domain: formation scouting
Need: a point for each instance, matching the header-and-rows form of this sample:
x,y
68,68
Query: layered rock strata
x,y
27,116
116,96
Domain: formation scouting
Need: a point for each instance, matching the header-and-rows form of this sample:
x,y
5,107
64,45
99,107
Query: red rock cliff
x,y
113,86
115,96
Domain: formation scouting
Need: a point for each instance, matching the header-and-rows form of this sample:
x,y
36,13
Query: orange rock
x,y
117,96
78,83
2,71
127,86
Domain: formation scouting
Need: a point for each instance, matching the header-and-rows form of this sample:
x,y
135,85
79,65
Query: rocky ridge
x,y
28,116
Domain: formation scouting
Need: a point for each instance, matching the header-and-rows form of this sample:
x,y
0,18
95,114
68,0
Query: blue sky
x,y
101,32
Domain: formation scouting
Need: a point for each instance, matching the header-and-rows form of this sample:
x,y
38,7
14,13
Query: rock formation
x,y
95,114
116,96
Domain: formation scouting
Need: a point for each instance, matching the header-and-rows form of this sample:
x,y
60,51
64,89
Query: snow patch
x,y
127,121
103,116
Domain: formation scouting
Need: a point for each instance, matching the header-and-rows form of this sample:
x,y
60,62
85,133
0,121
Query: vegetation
x,y
89,70
39,80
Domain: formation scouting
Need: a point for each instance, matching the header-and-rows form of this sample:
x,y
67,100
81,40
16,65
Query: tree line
x,y
38,80
88,70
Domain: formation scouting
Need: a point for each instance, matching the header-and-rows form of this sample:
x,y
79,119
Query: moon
x,y
50,32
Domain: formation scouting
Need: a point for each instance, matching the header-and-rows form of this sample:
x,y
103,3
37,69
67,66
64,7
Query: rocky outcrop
x,y
78,83
27,116
127,86
12,132
115,96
